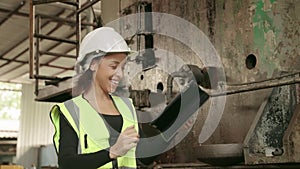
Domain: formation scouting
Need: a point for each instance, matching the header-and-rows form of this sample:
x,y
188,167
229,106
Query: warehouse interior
x,y
244,55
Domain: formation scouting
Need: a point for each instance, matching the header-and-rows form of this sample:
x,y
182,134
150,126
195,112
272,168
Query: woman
x,y
97,129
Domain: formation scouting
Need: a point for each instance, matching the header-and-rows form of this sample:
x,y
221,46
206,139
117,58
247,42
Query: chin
x,y
112,90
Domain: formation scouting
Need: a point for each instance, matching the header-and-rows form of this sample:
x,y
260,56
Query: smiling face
x,y
108,71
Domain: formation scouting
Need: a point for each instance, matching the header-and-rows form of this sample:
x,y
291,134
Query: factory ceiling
x,y
57,54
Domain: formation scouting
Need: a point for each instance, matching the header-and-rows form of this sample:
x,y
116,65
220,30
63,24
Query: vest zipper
x,y
85,141
115,164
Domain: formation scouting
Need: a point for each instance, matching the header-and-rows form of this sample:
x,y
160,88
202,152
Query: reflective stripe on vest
x,y
91,128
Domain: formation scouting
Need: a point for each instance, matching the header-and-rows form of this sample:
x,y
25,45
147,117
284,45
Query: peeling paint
x,y
287,51
264,26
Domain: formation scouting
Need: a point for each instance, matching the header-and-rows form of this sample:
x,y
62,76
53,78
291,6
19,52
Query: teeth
x,y
115,82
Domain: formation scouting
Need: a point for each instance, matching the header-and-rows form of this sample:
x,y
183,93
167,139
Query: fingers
x,y
132,145
130,136
130,129
127,140
130,132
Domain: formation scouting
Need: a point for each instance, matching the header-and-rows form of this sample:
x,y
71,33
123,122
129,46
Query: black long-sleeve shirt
x,y
68,157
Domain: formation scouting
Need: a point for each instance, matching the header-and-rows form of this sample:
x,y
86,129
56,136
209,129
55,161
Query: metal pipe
x,y
37,55
40,2
170,84
64,20
169,88
253,87
51,60
57,54
37,35
78,28
57,67
233,89
138,37
31,37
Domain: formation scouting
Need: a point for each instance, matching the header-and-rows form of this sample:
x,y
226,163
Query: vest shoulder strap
x,y
128,102
71,111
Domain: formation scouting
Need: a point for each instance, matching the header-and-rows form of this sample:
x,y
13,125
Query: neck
x,y
95,94
100,100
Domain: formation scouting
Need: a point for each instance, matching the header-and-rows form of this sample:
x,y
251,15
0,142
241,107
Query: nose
x,y
119,72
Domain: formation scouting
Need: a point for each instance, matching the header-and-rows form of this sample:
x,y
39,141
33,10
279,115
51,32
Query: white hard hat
x,y
98,43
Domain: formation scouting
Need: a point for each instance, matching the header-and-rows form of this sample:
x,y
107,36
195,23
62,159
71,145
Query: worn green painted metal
x,y
276,26
263,28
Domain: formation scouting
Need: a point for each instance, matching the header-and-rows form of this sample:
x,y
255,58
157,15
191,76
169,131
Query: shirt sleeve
x,y
68,145
150,146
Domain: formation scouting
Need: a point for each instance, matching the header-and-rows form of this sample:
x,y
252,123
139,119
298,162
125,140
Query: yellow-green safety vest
x,y
92,138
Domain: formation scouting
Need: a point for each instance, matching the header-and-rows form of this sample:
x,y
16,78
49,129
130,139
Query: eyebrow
x,y
116,62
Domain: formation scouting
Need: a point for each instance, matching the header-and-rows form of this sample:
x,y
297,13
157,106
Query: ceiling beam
x,y
11,13
24,39
26,62
18,13
39,2
50,18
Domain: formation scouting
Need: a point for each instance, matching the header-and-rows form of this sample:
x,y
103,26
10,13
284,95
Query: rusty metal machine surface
x,y
265,141
257,42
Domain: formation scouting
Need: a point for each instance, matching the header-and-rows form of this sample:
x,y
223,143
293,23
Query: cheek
x,y
104,74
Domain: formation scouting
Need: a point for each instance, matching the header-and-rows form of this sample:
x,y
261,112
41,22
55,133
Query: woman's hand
x,y
127,140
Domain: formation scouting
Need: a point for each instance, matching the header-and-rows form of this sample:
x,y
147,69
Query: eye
x,y
114,66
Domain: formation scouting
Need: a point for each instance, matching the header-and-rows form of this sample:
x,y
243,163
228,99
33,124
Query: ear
x,y
93,65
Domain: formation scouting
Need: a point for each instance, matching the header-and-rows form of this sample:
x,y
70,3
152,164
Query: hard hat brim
x,y
130,53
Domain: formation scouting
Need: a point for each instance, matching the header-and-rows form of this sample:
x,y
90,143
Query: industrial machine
x,y
226,73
